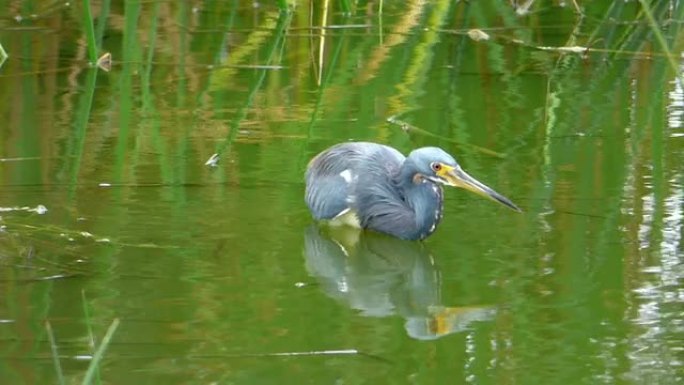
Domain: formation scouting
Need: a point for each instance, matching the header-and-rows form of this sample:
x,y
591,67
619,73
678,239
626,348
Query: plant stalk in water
x,y
55,354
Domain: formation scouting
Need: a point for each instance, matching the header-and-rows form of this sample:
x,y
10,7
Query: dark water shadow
x,y
380,276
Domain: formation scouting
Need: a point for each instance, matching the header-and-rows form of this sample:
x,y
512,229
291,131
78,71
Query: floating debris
x,y
572,49
310,353
54,277
40,209
213,161
478,34
21,158
3,55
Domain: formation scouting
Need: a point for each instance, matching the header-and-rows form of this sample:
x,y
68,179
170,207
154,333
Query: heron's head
x,y
434,165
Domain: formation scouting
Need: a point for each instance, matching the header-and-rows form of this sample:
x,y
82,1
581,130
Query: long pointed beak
x,y
458,178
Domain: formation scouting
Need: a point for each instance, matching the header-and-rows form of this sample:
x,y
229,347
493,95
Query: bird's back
x,y
332,175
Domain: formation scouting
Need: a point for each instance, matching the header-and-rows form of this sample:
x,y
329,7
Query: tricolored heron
x,y
373,186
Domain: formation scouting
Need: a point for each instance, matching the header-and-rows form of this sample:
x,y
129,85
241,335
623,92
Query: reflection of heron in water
x,y
380,276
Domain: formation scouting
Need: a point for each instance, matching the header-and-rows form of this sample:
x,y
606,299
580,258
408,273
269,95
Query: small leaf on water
x,y
40,209
478,34
213,161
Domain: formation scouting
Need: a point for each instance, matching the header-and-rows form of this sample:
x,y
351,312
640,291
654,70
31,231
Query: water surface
x,y
218,274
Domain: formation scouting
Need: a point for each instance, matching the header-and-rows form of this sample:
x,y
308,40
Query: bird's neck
x,y
425,200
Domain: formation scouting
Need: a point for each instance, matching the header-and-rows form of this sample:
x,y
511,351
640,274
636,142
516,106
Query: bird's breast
x,y
432,214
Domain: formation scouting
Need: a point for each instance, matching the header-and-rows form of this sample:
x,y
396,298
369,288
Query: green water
x,y
218,275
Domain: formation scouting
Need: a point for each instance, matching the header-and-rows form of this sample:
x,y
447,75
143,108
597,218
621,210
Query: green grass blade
x,y
78,137
346,7
55,354
90,32
102,22
283,5
97,357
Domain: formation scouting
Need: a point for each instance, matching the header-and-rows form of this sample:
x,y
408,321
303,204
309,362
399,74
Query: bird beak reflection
x,y
455,176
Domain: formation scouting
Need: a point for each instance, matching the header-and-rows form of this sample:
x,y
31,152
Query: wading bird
x,y
373,186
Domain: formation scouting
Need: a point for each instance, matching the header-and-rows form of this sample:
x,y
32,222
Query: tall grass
x,y
87,20
77,141
102,21
660,38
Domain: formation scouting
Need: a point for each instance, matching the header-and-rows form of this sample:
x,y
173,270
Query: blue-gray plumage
x,y
373,186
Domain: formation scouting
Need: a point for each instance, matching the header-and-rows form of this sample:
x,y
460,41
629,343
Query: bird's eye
x,y
436,166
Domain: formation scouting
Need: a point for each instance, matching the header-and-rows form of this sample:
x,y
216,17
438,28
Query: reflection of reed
x,y
417,72
400,31
381,276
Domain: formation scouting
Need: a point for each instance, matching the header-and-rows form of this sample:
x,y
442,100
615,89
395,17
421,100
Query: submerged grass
x,y
91,336
55,354
97,357
92,373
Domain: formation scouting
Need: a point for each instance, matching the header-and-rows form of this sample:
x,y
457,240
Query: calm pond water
x,y
217,275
